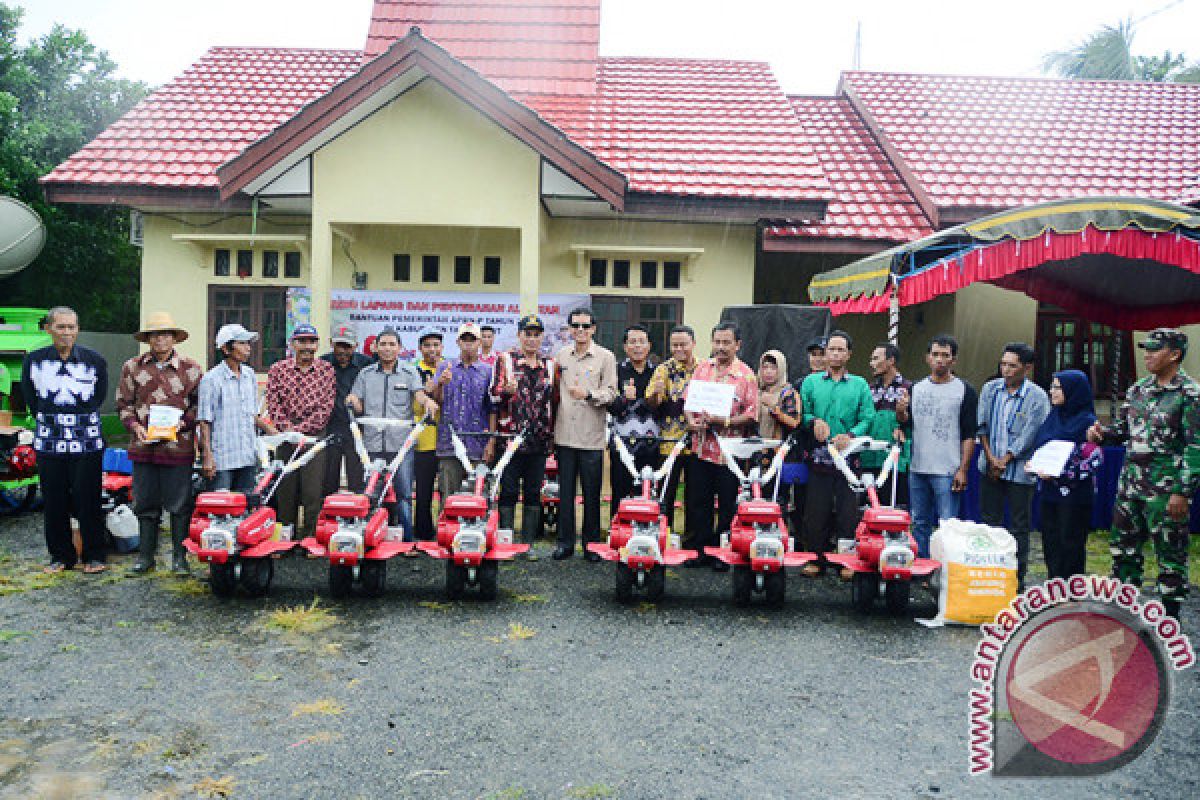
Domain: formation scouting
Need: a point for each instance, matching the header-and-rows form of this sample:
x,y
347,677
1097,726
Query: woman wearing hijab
x,y
778,406
1066,501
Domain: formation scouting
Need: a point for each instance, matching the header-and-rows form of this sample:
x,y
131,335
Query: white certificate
x,y
1051,458
715,398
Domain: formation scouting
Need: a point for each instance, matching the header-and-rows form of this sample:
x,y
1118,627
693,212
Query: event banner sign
x,y
369,312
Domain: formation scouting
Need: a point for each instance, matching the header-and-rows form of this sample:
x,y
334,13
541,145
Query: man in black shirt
x,y
346,363
631,415
64,385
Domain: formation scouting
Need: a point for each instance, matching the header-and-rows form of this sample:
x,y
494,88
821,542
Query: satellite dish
x,y
22,236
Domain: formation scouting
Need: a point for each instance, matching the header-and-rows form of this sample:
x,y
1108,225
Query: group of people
x,y
563,405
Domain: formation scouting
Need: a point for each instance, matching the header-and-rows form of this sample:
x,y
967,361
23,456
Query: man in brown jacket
x,y
161,384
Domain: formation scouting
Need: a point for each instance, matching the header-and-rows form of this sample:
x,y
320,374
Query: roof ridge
x,y
687,59
1024,78
274,49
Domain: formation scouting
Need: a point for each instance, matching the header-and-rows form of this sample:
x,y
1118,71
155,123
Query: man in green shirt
x,y
837,406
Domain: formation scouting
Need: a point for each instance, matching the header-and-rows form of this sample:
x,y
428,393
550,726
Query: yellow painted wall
x,y
176,276
722,276
375,246
987,317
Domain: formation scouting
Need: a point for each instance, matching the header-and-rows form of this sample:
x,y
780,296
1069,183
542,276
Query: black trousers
x,y
343,451
586,467
619,479
993,496
158,488
425,470
681,468
829,499
708,481
71,487
523,479
1065,529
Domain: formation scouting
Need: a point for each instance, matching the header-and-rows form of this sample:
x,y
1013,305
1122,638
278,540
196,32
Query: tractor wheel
x,y
864,588
256,575
489,580
222,578
775,588
625,581
341,580
656,584
456,580
895,596
743,585
372,575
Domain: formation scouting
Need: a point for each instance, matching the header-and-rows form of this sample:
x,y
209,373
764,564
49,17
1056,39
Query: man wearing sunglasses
x,y
587,383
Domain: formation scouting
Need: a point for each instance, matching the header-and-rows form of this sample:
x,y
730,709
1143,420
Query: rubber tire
x,y
222,578
864,589
256,575
656,584
341,580
743,585
775,588
895,595
488,576
549,521
456,580
624,583
1173,607
372,577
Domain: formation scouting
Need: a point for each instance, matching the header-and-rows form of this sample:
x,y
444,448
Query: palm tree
x,y
1108,55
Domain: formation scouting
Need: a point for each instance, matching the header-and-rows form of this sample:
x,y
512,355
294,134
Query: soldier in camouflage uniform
x,y
1160,425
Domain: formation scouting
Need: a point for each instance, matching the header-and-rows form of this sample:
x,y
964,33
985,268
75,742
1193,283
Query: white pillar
x,y
321,276
530,272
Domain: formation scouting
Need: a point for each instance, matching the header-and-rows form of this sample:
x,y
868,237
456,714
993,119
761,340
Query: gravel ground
x,y
122,686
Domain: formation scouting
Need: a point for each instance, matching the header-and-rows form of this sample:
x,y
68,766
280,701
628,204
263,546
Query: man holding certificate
x,y
721,400
156,402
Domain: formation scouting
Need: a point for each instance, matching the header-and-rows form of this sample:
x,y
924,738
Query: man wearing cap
x,y
524,388
587,383
425,460
157,380
63,385
388,389
346,363
1159,423
300,394
228,414
462,394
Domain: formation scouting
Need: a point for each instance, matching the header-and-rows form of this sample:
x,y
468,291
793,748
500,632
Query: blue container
x,y
117,460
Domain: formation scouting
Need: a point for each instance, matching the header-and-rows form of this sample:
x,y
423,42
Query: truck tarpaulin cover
x,y
786,328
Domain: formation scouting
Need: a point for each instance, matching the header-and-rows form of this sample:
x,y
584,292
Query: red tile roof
x,y
870,199
525,46
179,135
994,143
692,127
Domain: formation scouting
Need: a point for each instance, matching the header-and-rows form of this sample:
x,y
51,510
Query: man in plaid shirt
x,y
300,395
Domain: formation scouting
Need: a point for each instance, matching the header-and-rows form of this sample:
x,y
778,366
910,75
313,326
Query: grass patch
x,y
182,586
1099,560
596,791
434,605
517,631
320,737
511,793
301,620
326,706
12,636
23,576
215,787
518,597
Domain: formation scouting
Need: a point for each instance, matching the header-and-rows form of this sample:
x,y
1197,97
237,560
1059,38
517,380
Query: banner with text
x,y
409,313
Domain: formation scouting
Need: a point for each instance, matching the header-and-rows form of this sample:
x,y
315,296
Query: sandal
x,y
95,567
54,568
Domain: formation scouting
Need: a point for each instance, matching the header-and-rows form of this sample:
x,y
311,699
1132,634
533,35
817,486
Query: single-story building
x,y
498,152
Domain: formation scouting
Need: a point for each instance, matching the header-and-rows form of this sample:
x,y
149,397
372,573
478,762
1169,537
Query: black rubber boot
x,y
147,543
179,532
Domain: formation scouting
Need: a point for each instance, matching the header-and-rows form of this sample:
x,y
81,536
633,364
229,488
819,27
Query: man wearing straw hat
x,y
156,402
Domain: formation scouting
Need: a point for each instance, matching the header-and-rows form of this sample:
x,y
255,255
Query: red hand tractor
x,y
640,541
757,545
352,531
469,538
883,549
233,531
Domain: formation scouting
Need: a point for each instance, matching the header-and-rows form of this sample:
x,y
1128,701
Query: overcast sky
x,y
806,42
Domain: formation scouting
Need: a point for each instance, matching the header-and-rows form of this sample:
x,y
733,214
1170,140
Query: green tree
x,y
1108,55
57,93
